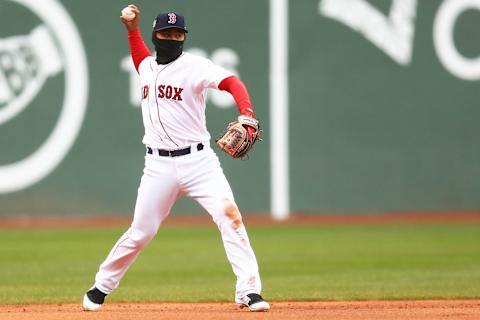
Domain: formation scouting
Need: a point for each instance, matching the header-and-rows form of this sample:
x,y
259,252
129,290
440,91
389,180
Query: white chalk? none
x,y
128,14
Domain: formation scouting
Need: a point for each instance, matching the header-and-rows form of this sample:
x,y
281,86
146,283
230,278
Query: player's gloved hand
x,y
237,141
132,25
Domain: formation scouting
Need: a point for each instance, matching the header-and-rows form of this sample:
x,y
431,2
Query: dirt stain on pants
x,y
232,212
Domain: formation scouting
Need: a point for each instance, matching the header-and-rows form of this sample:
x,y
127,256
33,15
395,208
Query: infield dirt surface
x,y
205,220
358,310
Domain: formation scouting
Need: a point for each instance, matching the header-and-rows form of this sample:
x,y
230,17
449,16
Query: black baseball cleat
x,y
93,299
254,302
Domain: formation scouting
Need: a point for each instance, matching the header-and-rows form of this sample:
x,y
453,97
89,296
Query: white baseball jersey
x,y
174,99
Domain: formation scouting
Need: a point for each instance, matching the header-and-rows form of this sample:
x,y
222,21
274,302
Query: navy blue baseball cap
x,y
169,19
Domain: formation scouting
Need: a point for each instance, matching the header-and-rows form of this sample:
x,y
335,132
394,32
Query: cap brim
x,y
170,27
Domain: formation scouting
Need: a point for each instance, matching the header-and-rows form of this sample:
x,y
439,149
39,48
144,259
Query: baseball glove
x,y
236,141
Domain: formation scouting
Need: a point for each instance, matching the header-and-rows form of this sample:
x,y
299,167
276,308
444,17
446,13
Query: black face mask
x,y
167,50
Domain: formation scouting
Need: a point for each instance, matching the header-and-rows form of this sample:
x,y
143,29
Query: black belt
x,y
174,153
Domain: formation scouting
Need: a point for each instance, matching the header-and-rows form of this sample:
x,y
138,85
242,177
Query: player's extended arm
x,y
138,49
239,92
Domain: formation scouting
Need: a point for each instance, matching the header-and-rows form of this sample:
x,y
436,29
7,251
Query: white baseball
x,y
128,14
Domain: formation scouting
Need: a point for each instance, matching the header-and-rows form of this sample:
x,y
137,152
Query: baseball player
x,y
179,160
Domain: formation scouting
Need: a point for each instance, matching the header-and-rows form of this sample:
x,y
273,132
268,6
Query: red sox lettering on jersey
x,y
169,92
166,91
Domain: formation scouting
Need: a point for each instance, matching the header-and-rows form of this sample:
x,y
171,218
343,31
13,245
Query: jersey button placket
x,y
157,98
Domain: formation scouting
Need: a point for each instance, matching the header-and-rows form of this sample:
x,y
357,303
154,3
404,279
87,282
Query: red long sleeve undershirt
x,y
239,92
138,49
233,85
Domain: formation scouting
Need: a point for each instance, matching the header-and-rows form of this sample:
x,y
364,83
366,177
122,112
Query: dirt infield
x,y
372,310
265,219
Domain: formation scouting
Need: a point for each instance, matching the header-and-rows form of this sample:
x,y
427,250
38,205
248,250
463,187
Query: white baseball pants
x,y
165,179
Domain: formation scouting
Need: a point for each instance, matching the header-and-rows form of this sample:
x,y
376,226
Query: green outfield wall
x,y
383,103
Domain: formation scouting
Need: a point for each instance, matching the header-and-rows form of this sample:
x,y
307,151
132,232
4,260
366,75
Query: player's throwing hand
x,y
131,24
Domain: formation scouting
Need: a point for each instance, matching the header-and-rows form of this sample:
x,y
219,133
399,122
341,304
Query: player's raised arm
x,y
139,51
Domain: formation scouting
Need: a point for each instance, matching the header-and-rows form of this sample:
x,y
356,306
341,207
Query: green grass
x,y
297,263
